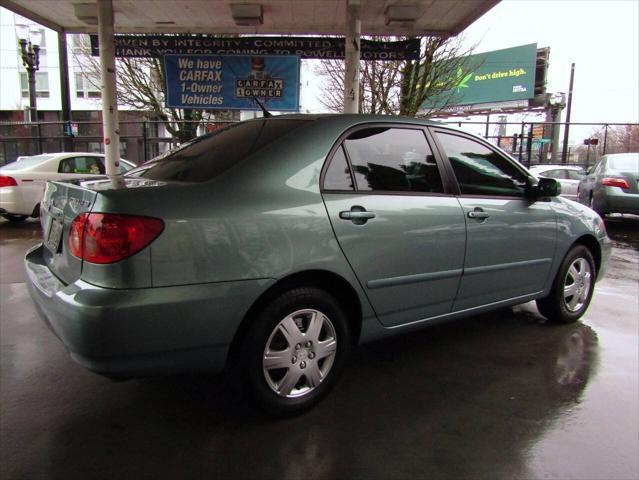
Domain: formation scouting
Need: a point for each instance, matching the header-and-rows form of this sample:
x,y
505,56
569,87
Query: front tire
x,y
572,288
294,351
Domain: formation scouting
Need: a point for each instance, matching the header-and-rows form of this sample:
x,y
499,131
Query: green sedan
x,y
270,248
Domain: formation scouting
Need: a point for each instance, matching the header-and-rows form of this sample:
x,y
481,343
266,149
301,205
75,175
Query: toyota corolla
x,y
273,246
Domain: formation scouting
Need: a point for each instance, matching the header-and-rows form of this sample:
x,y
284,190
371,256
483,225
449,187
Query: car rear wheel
x,y
294,351
14,218
572,288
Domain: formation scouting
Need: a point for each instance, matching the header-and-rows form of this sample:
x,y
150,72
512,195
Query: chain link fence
x,y
529,142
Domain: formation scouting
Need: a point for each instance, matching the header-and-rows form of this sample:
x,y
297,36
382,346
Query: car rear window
x,y
208,156
27,162
627,163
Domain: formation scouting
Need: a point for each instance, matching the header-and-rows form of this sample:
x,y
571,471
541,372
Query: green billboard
x,y
497,76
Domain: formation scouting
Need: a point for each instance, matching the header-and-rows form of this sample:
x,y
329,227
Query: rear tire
x,y
294,351
572,288
14,218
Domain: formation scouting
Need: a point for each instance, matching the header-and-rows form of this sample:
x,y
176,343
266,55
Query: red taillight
x,y
7,181
615,182
109,238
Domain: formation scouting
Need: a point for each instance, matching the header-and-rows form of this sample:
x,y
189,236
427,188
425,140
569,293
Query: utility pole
x,y
564,151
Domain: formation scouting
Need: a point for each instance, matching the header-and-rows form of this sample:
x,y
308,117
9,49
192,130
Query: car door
x,y
402,232
570,184
589,183
510,237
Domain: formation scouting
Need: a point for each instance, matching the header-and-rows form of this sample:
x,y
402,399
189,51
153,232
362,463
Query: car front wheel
x,y
294,351
572,288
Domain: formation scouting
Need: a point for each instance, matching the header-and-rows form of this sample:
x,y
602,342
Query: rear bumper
x,y
616,200
137,332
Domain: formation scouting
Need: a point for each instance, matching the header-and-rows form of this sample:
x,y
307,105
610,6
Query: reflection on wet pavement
x,y
501,395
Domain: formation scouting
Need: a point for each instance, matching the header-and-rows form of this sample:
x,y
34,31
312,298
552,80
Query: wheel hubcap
x,y
299,353
577,284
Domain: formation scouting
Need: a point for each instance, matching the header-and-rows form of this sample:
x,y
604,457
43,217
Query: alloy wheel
x,y
577,284
299,353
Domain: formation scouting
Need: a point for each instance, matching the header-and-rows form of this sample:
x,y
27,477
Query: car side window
x,y
84,165
574,175
338,175
393,160
480,170
552,174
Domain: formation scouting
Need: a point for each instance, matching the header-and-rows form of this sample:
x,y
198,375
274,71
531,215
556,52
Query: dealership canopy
x,y
348,18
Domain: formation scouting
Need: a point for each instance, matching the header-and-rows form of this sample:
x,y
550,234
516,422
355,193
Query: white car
x,y
22,182
568,176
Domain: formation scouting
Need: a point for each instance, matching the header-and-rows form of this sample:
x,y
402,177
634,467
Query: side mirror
x,y
546,187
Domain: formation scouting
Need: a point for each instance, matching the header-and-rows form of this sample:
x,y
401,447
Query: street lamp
x,y
29,41
556,104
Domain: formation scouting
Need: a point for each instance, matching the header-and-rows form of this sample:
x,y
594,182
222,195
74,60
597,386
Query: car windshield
x,y
27,162
208,156
626,163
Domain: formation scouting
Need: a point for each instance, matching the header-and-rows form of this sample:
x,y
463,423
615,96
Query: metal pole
x,y
487,125
351,57
521,143
144,139
33,109
556,118
65,97
111,129
564,151
605,140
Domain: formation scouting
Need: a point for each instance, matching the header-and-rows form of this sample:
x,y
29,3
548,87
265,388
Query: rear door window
x,y
393,160
81,165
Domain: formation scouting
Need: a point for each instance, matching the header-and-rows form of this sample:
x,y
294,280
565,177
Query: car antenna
x,y
266,113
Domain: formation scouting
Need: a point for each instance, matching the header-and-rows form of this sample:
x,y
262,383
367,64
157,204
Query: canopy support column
x,y
352,56
111,128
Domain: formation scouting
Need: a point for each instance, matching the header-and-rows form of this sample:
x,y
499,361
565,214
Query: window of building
x,y
42,84
85,87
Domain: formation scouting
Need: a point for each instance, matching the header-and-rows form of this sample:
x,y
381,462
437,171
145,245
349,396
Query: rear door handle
x,y
358,215
478,213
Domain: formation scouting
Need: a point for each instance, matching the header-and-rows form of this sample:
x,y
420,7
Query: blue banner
x,y
232,82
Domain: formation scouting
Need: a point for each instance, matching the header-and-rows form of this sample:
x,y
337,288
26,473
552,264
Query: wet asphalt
x,y
498,396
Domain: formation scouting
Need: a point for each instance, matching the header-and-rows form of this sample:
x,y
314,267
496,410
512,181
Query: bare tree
x,y
619,139
425,86
140,85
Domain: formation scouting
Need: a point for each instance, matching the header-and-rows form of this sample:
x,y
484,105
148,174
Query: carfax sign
x,y
232,82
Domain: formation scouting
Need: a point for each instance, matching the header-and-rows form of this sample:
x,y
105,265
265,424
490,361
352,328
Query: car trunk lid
x,y
61,204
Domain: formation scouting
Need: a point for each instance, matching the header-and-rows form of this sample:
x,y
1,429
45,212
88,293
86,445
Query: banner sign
x,y
232,82
499,76
148,46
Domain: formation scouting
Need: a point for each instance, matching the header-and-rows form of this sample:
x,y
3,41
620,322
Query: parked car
x,y
612,184
22,182
272,246
568,177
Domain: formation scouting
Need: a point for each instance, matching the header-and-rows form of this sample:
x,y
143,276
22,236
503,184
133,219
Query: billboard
x,y
232,82
506,75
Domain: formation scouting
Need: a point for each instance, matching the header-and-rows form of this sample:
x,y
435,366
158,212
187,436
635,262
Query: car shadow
x,y
459,400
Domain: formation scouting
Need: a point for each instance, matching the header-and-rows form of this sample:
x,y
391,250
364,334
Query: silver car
x,y
568,176
612,184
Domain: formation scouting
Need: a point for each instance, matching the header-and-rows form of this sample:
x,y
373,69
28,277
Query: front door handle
x,y
478,214
358,215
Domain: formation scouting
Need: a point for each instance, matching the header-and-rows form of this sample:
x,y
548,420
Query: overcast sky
x,y
600,36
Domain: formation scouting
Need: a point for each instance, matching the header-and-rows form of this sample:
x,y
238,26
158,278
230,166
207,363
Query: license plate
x,y
54,236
